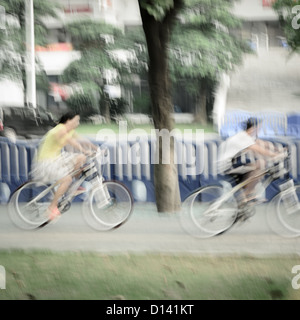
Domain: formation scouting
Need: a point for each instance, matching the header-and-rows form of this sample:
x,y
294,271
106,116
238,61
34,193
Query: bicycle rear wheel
x,y
29,203
110,205
209,214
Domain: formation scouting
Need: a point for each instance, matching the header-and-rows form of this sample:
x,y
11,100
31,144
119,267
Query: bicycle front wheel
x,y
211,210
29,203
110,205
289,217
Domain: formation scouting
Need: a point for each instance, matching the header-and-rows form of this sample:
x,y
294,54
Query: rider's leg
x,y
62,188
79,161
65,183
249,189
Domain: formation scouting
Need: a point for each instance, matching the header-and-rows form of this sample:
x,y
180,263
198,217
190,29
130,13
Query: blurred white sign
x,y
114,91
2,278
11,93
296,278
296,19
2,18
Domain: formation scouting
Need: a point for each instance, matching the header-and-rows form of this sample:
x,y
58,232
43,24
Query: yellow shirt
x,y
51,147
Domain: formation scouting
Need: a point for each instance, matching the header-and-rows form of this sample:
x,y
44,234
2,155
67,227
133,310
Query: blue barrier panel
x,y
14,158
5,162
293,125
293,118
188,185
197,164
232,122
273,124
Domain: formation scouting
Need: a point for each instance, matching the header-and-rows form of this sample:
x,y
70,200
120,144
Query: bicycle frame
x,y
213,209
106,204
71,195
238,187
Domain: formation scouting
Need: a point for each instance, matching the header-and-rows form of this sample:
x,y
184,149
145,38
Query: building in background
x,y
59,53
260,24
266,80
260,27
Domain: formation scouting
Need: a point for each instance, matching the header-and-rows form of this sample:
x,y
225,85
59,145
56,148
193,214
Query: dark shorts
x,y
242,164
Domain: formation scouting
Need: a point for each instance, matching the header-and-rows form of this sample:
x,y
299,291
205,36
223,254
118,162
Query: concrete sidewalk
x,y
146,231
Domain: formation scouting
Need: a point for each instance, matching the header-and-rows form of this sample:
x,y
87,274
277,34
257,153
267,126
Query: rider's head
x,y
71,119
251,126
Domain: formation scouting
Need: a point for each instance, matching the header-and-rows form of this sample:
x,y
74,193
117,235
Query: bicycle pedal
x,y
257,201
44,224
242,219
64,206
245,215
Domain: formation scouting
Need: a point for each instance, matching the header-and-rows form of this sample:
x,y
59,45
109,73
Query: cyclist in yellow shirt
x,y
53,163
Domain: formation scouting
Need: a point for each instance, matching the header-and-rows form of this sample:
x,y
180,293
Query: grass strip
x,y
45,275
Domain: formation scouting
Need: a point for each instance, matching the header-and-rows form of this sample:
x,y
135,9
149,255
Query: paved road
x,y
147,231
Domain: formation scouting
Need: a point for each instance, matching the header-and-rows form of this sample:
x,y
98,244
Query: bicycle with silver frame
x,y
212,210
106,204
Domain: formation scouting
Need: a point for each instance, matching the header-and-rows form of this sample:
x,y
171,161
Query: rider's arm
x,y
262,151
83,145
262,143
65,138
75,143
87,144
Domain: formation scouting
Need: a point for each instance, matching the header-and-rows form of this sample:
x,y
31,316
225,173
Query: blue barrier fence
x,y
197,165
273,124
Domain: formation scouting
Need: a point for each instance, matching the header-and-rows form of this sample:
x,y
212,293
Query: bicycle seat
x,y
90,171
233,179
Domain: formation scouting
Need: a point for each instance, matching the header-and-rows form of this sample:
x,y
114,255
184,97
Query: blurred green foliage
x,y
142,104
289,16
82,103
95,40
117,107
13,39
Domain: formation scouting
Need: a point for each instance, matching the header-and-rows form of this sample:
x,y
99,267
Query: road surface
x,y
147,231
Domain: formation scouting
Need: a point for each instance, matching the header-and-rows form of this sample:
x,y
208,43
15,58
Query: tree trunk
x,y
200,115
23,71
107,109
165,170
105,106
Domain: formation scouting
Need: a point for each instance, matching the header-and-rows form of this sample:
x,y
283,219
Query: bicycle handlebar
x,y
98,153
282,156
